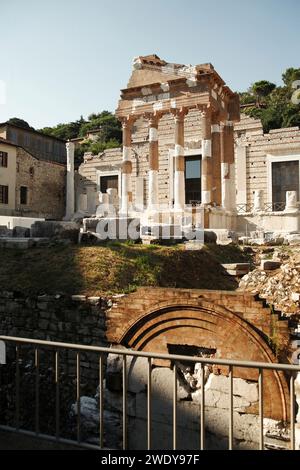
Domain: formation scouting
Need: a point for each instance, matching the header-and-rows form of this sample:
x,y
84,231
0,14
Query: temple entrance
x,y
193,179
285,177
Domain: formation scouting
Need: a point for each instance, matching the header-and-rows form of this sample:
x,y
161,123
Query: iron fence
x,y
102,352
267,207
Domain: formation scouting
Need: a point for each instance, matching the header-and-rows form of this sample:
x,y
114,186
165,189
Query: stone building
x,y
184,143
41,146
29,187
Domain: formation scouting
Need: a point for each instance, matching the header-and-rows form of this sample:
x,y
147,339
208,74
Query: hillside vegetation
x,y
115,268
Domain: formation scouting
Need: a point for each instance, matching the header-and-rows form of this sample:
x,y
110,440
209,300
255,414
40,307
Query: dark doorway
x,y
285,177
107,182
193,179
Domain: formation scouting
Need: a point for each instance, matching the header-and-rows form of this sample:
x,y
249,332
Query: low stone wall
x,y
83,320
74,319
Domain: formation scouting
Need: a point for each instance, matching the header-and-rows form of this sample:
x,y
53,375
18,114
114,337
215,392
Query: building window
x,y
193,179
23,195
107,182
31,171
3,194
26,140
285,177
3,159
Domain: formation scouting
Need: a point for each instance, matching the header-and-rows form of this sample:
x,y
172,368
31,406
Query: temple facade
x,y
185,145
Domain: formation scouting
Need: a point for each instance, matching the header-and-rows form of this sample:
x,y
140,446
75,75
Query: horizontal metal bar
x,y
174,357
49,438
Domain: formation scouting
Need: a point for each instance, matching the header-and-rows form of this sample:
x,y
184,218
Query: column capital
x,y
128,121
70,145
179,113
205,110
153,118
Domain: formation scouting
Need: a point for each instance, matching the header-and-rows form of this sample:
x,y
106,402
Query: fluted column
x,y
153,196
206,176
179,182
216,162
70,193
126,188
227,166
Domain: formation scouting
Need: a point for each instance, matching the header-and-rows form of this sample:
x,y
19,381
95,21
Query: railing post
x,y
57,403
149,405
261,409
202,410
101,401
125,443
230,408
78,396
174,406
37,389
17,417
292,411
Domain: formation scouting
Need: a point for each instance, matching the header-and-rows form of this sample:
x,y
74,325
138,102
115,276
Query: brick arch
x,y
197,320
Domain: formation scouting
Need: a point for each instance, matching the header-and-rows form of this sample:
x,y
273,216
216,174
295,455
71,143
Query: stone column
x,y
227,166
291,204
70,193
206,165
126,188
258,205
179,183
153,197
216,163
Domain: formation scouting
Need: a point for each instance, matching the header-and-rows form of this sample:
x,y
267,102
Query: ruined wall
x,y
251,150
206,324
111,159
46,187
75,319
191,322
254,145
235,325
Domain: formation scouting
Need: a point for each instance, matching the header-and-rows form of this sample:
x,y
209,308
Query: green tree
x,y
19,122
262,89
290,75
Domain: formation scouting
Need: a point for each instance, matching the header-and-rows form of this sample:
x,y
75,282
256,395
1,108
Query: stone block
x,y
295,296
269,265
247,391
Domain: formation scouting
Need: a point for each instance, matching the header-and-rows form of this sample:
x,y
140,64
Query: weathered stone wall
x,y
251,174
46,186
189,392
234,324
111,159
278,142
75,319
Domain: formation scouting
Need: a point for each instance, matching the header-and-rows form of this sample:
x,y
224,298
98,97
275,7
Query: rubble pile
x,y
280,286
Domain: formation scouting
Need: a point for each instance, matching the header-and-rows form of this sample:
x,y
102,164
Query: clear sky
x,y
64,58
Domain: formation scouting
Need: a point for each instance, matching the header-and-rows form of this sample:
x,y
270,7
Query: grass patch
x,y
115,268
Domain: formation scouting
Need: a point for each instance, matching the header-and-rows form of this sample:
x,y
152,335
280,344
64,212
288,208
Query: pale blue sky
x,y
64,58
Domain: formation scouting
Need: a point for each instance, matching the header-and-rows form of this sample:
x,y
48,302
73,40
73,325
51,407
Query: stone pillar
x,y
227,166
153,198
216,163
70,193
206,173
126,188
258,200
291,204
179,183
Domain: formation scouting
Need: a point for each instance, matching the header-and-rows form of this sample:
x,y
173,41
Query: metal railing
x,y
102,353
266,207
